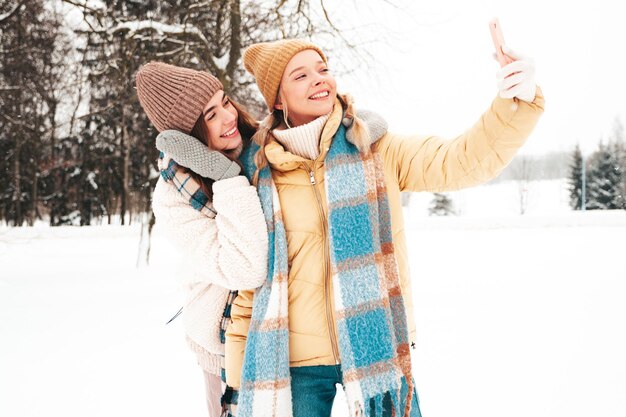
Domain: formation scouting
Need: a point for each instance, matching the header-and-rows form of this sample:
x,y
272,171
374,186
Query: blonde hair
x,y
360,132
263,135
285,110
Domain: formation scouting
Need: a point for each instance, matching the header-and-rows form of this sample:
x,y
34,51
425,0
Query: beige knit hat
x,y
267,61
174,97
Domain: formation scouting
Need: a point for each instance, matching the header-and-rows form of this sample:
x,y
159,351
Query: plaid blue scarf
x,y
371,319
185,184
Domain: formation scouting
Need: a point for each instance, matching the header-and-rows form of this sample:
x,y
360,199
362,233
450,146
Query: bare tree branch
x,y
18,122
327,17
335,28
84,7
279,5
392,4
10,13
133,27
173,52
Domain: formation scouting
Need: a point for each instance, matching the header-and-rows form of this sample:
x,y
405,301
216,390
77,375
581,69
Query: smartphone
x,y
498,41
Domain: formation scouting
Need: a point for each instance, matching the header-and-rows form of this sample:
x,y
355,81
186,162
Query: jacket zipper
x,y
331,326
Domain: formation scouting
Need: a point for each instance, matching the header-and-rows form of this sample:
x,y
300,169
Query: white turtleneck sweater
x,y
303,140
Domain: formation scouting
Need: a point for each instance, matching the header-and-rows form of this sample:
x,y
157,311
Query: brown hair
x,y
263,135
247,126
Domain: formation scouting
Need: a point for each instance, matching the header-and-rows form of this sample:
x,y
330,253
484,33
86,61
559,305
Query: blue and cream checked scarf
x,y
185,184
371,319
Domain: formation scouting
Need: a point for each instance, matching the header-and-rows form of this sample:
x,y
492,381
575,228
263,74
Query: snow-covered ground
x,y
516,316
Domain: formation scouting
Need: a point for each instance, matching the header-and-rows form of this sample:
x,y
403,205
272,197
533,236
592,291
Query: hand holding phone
x,y
498,42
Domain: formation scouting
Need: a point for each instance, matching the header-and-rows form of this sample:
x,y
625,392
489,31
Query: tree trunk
x,y
235,42
125,162
523,196
34,212
17,191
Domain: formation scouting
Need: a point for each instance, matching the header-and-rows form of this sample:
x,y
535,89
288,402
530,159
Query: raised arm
x,y
431,163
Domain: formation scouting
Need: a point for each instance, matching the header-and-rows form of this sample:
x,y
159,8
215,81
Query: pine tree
x,y
30,69
618,143
618,150
605,180
441,205
575,180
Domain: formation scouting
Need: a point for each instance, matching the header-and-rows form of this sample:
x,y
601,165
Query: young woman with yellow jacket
x,y
337,304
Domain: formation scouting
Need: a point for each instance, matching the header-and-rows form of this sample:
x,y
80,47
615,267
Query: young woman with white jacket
x,y
209,212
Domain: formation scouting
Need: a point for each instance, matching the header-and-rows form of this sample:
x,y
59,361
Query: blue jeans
x,y
313,391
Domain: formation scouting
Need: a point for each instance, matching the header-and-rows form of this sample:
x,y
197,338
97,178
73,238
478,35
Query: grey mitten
x,y
191,153
376,125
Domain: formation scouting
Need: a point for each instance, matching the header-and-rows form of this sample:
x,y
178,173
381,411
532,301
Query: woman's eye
x,y
325,70
301,76
210,117
226,102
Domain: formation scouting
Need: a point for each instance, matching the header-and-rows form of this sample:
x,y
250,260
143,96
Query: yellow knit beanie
x,y
266,62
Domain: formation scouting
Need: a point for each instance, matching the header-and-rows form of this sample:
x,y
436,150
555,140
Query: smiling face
x,y
307,88
219,119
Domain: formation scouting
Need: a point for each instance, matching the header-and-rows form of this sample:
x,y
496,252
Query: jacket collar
x,y
282,160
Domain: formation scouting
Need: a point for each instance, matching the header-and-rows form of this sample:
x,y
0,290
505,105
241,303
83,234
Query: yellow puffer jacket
x,y
412,163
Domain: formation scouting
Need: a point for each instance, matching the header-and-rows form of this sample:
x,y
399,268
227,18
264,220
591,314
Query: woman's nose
x,y
318,79
227,116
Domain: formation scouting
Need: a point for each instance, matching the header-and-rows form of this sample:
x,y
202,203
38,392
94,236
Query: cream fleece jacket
x,y
226,253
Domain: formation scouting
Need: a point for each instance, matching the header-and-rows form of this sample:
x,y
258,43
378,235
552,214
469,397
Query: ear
x,y
278,105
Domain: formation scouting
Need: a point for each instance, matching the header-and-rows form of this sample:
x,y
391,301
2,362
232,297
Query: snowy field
x,y
516,315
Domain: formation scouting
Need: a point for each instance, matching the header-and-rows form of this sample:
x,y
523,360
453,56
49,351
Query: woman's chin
x,y
234,142
320,111
325,109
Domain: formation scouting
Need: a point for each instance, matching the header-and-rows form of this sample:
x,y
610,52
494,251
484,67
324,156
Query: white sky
x,y
437,76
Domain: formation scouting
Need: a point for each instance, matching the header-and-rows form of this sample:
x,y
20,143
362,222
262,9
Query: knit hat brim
x,y
267,61
174,97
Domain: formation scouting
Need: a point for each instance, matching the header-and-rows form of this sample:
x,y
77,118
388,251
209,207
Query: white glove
x,y
517,79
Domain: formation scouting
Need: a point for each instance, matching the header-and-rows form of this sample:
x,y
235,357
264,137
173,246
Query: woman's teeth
x,y
230,132
319,95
